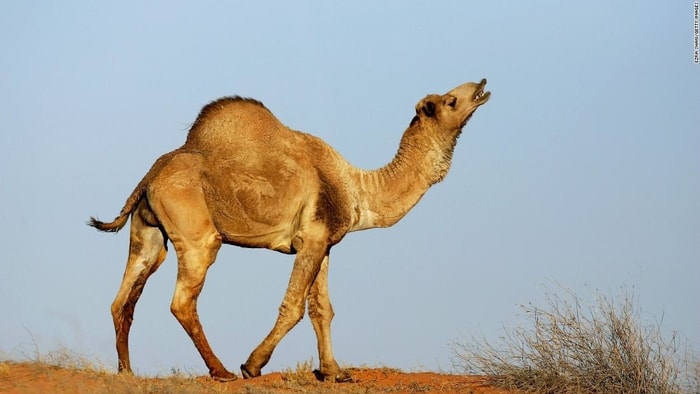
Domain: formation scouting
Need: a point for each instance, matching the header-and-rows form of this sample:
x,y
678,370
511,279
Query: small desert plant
x,y
574,348
302,375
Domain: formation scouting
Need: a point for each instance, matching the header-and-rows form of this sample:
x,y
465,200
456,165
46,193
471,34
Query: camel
x,y
245,179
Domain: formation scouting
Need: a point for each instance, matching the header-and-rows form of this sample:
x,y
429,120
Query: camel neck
x,y
385,195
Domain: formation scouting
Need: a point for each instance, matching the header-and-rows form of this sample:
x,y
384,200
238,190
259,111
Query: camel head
x,y
452,110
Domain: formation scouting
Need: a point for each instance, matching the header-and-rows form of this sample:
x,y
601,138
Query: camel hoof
x,y
247,373
340,377
224,376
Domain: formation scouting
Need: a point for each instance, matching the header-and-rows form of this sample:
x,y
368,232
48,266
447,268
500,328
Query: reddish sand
x,y
40,378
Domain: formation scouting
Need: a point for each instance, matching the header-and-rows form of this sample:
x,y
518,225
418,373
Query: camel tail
x,y
111,227
134,199
119,222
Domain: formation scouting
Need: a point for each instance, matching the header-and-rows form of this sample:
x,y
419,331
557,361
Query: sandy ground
x,y
32,377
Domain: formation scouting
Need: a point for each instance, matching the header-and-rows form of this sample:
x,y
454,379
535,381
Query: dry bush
x,y
301,376
578,348
691,373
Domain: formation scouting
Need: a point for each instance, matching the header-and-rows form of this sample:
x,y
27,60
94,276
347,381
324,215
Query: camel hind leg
x,y
146,253
182,210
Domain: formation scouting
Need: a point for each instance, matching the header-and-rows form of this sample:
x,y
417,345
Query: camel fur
x,y
243,178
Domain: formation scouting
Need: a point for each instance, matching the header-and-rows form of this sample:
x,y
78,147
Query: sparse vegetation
x,y
302,375
573,347
76,375
62,371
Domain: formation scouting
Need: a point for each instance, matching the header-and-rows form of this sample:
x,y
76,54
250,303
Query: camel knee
x,y
181,309
292,312
122,313
320,309
190,280
116,309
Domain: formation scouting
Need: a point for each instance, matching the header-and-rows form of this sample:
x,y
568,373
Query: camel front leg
x,y
321,314
306,268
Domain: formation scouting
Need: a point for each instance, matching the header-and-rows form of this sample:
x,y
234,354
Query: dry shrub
x,y
303,374
578,348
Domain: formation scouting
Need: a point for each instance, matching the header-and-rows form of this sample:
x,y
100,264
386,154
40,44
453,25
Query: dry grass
x,y
62,371
573,348
302,375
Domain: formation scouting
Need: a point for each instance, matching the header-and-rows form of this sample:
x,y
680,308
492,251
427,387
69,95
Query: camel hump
x,y
231,122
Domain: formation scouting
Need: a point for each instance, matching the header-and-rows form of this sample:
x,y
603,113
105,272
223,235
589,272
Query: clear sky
x,y
582,169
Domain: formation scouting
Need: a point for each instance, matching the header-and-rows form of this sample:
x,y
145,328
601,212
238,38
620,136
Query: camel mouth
x,y
480,95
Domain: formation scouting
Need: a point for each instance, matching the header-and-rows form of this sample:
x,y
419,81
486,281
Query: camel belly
x,y
251,210
277,242
257,221
258,198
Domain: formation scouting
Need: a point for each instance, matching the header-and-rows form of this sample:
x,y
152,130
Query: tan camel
x,y
243,178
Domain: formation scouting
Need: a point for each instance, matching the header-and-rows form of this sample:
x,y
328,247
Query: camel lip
x,y
480,95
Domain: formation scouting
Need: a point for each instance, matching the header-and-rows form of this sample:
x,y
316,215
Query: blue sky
x,y
583,168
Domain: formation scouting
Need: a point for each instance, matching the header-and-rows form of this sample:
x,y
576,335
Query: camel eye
x,y
452,101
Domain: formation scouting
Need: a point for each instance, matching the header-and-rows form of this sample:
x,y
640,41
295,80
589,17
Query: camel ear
x,y
427,106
